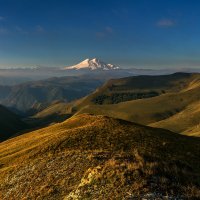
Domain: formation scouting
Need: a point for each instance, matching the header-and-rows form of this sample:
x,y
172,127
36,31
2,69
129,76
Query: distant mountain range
x,y
92,64
17,75
32,96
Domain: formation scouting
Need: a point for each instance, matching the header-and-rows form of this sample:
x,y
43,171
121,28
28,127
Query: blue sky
x,y
130,33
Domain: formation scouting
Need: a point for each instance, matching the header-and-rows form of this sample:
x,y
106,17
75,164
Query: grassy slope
x,y
155,109
186,121
149,110
96,157
10,124
57,112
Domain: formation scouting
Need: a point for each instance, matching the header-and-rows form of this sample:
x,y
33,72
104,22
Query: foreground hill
x,y
10,124
96,157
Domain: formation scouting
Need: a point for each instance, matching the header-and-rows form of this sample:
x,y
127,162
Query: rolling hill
x,y
10,124
140,87
97,157
131,99
56,112
186,122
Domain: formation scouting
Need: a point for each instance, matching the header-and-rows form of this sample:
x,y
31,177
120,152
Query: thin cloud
x,y
108,29
35,30
21,30
166,23
2,18
3,31
105,32
39,29
100,34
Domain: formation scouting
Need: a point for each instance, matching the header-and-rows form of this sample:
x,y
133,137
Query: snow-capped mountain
x,y
92,64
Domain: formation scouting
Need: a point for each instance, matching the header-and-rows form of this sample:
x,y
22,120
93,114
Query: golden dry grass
x,y
97,157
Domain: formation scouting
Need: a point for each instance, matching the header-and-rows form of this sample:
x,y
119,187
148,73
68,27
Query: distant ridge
x,y
92,64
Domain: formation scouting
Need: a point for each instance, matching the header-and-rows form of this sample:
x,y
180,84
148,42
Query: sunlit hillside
x,y
97,157
178,95
187,121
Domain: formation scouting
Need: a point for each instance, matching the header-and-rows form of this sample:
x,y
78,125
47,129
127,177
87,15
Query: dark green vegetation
x,y
10,124
120,97
96,157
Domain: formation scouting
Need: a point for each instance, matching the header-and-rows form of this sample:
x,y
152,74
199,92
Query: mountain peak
x,y
93,64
